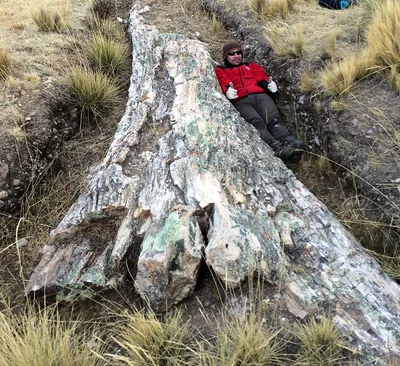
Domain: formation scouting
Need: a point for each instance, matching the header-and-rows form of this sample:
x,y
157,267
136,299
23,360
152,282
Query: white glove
x,y
231,93
272,86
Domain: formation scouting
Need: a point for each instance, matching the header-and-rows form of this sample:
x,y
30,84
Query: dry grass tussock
x,y
48,21
92,92
383,34
271,8
40,337
108,56
5,63
244,340
105,27
321,343
145,340
128,336
322,30
394,78
358,41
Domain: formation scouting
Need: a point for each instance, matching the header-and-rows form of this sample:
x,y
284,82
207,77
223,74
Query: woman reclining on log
x,y
247,86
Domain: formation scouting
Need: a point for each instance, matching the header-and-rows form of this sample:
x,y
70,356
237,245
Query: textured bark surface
x,y
186,177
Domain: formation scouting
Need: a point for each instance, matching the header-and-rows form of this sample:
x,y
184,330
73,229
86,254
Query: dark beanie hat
x,y
230,45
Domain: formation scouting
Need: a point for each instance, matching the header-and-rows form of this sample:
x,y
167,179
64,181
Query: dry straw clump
x,y
144,340
383,34
217,27
244,340
37,338
323,31
5,63
47,20
339,77
271,8
394,78
383,50
307,83
321,343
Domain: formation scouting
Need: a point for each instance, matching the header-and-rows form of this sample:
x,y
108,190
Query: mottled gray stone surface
x,y
184,170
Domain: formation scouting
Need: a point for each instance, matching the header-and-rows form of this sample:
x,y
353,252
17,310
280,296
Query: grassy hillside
x,y
80,51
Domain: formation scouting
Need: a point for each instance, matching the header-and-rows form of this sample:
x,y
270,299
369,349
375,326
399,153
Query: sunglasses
x,y
233,53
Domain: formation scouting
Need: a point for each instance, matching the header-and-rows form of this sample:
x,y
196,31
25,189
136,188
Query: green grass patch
x,y
107,56
92,92
108,28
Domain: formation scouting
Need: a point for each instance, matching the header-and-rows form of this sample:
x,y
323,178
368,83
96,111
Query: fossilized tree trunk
x,y
186,177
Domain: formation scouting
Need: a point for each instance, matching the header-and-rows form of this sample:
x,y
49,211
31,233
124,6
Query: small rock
x,y
271,210
3,194
354,122
302,99
16,182
48,81
369,132
3,170
2,204
206,303
22,242
144,10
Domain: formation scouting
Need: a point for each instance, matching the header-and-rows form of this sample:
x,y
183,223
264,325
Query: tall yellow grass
x,y
339,77
383,34
271,8
5,63
40,337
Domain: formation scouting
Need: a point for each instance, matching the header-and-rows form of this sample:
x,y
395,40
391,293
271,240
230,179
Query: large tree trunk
x,y
186,177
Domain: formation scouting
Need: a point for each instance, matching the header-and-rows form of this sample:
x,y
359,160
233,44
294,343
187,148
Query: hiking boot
x,y
297,147
284,153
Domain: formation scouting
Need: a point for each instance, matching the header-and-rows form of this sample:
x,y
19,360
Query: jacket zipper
x,y
241,80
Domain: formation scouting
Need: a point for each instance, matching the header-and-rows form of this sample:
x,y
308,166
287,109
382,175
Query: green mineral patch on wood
x,y
171,232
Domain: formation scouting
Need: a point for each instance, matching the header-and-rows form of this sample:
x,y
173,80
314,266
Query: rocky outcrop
x,y
187,178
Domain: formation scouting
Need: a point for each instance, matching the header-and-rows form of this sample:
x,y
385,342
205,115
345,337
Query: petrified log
x,y
187,177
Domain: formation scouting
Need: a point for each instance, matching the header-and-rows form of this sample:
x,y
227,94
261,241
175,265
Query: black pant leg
x,y
247,109
268,110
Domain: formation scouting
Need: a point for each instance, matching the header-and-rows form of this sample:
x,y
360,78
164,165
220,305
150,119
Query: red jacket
x,y
246,79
